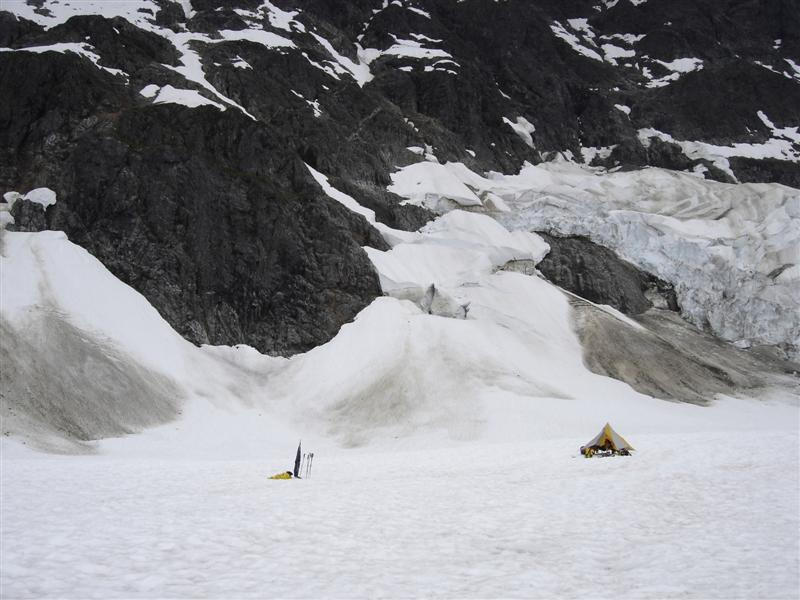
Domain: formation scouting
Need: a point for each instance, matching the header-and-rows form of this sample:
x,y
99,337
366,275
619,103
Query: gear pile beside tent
x,y
607,443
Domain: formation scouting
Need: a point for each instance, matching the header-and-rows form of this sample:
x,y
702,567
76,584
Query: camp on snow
x,y
607,443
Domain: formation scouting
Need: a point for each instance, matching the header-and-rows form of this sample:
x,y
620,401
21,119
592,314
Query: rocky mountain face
x,y
598,275
176,134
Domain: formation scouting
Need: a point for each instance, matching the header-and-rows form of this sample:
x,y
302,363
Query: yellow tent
x,y
609,438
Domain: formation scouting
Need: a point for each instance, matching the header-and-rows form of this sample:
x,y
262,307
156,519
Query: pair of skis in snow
x,y
302,461
306,463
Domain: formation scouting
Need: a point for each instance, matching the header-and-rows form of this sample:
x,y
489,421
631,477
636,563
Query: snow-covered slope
x,y
460,348
87,357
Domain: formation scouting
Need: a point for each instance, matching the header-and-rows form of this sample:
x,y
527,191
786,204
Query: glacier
x,y
731,250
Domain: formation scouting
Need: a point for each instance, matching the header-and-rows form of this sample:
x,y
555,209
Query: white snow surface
x,y
241,63
44,272
191,66
795,67
257,36
282,19
731,250
683,65
686,517
188,11
445,449
414,49
589,153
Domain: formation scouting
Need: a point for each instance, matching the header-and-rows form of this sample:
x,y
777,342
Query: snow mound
x,y
432,185
458,247
89,356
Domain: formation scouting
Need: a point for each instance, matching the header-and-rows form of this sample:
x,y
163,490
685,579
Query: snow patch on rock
x,y
172,95
781,147
575,42
678,67
81,49
523,128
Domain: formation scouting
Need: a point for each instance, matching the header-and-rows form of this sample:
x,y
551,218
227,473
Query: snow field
x,y
703,515
471,485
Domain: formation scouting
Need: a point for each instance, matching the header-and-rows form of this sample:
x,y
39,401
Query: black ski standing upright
x,y
297,461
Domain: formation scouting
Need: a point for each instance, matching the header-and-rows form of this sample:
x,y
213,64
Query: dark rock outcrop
x,y
751,170
203,212
596,273
28,216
